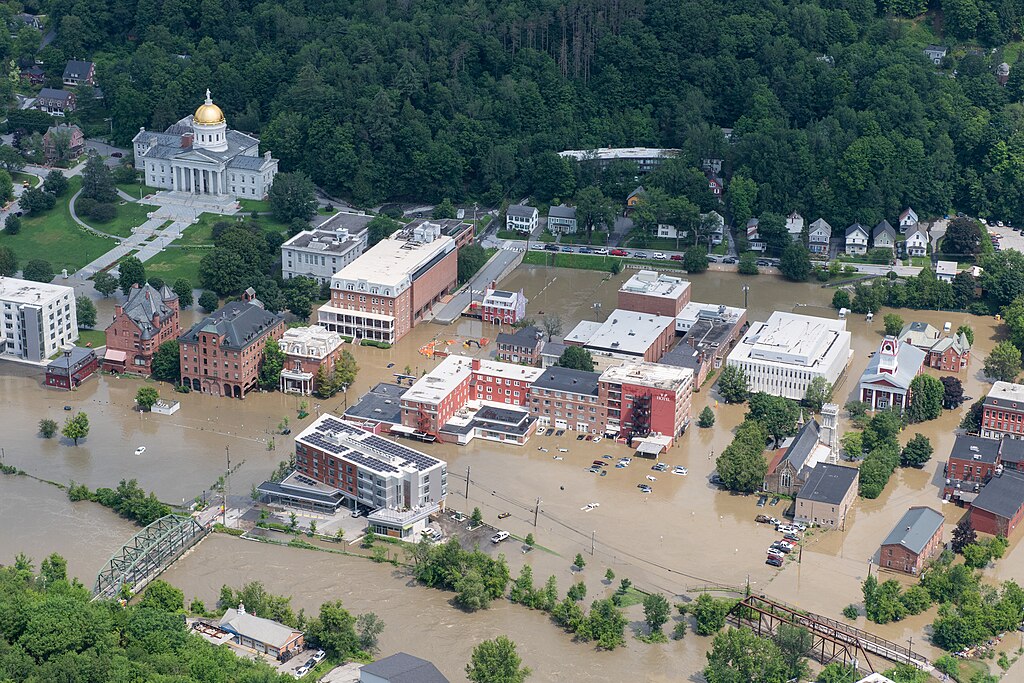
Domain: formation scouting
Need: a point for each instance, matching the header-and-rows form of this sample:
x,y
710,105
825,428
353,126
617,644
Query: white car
x,y
680,470
140,450
776,553
650,478
319,655
786,528
499,537
659,255
625,461
601,252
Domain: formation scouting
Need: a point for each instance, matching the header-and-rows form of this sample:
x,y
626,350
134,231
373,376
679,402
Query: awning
x,y
401,429
116,356
650,448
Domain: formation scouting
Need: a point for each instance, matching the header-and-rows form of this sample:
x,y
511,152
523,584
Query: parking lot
x,y
478,537
1006,238
298,663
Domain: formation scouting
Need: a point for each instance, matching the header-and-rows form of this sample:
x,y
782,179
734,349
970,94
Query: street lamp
x,y
597,309
746,288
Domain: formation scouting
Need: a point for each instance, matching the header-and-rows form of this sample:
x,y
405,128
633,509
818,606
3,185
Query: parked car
x,y
601,251
774,500
772,552
644,488
762,519
600,463
499,537
676,257
117,155
792,538
659,255
680,470
504,515
619,252
586,250
318,656
761,500
551,247
774,561
660,467
730,259
567,250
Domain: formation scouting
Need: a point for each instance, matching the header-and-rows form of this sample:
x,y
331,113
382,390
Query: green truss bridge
x,y
147,554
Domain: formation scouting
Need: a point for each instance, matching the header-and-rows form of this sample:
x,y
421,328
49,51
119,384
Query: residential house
x,y
522,346
63,142
715,226
856,240
222,354
401,668
71,368
716,184
936,53
818,237
754,241
792,463
147,319
795,226
710,165
79,73
945,270
31,20
915,539
827,496
307,350
1003,73
33,74
634,197
917,241
999,508
885,383
908,219
55,102
562,219
951,353
521,218
263,635
884,236
503,307
550,353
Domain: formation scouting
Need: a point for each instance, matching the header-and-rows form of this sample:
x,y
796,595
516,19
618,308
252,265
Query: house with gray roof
x,y
913,541
55,102
885,382
884,236
79,73
401,668
562,219
521,218
520,346
263,635
818,237
917,241
828,495
856,240
936,53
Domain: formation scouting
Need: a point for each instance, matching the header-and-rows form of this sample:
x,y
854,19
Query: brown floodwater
x,y
682,536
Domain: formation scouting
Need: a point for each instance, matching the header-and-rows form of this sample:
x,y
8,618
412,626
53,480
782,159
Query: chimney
x,y
476,364
241,608
118,310
156,320
186,140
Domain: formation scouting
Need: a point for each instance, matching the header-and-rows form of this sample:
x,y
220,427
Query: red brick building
x,y
503,307
913,541
221,355
999,508
656,293
389,289
141,324
83,363
1003,411
521,346
951,354
646,398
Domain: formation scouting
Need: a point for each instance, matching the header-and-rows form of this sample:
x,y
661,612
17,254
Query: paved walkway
x,y
491,271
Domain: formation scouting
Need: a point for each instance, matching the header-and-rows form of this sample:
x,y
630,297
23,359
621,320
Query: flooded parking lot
x,y
681,536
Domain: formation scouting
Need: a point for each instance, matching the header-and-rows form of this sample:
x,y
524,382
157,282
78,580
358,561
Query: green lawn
x,y
33,180
258,205
599,238
92,337
55,237
129,215
174,263
132,189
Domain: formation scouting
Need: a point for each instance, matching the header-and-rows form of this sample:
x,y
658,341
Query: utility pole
x,y
227,477
467,484
593,535
536,511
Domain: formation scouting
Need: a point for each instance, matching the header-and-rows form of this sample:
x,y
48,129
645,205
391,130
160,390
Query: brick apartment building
x,y
521,346
564,398
502,307
307,350
1003,411
221,355
999,508
390,288
974,462
147,319
915,539
646,398
656,293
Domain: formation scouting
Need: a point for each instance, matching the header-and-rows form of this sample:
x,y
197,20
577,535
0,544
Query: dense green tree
x,y
38,270
334,629
496,661
732,384
739,655
270,369
841,299
741,465
1003,362
208,301
470,260
380,228
776,414
97,183
795,263
577,358
166,365
10,159
656,611
594,211
183,290
56,183
85,310
292,196
163,596
968,332
963,534
819,392
837,672
47,428
35,201
695,260
893,324
145,397
130,272
76,427
444,210
926,393
605,624
917,452
104,283
707,418
748,264
12,224
952,392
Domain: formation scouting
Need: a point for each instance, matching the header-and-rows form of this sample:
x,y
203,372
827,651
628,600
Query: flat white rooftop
x,y
438,383
790,338
619,153
695,310
653,283
1007,391
652,375
509,370
392,262
29,292
313,341
624,332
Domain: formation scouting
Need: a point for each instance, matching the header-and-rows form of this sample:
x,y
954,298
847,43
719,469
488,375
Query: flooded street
x,y
677,539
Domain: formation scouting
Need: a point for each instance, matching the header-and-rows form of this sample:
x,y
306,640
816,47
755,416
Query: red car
x,y
676,257
619,252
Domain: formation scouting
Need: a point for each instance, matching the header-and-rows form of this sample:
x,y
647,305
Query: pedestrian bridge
x,y
147,554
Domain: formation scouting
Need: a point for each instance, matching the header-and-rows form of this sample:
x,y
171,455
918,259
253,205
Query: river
x,y
683,535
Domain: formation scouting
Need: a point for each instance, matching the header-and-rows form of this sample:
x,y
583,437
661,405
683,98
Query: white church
x,y
200,155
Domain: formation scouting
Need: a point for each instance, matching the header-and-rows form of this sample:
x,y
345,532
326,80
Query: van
x,y
947,327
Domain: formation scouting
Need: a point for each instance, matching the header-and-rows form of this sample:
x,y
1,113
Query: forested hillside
x,y
836,110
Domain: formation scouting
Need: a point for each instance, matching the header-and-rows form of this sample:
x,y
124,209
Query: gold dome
x,y
208,112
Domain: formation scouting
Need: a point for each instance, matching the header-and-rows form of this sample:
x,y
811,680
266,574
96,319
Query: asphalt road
x,y
490,272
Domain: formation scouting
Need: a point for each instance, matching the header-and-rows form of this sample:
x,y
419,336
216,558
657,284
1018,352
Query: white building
x,y
795,225
945,270
645,158
625,335
306,350
522,218
319,254
782,356
38,319
200,155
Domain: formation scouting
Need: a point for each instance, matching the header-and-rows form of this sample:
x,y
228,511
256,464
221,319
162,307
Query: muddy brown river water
x,y
683,536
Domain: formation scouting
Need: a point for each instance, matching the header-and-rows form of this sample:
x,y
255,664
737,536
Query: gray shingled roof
x,y
1003,496
828,483
562,211
1011,450
568,379
520,211
143,304
54,94
854,228
916,527
239,322
966,447
884,227
803,445
257,628
404,668
525,337
77,69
